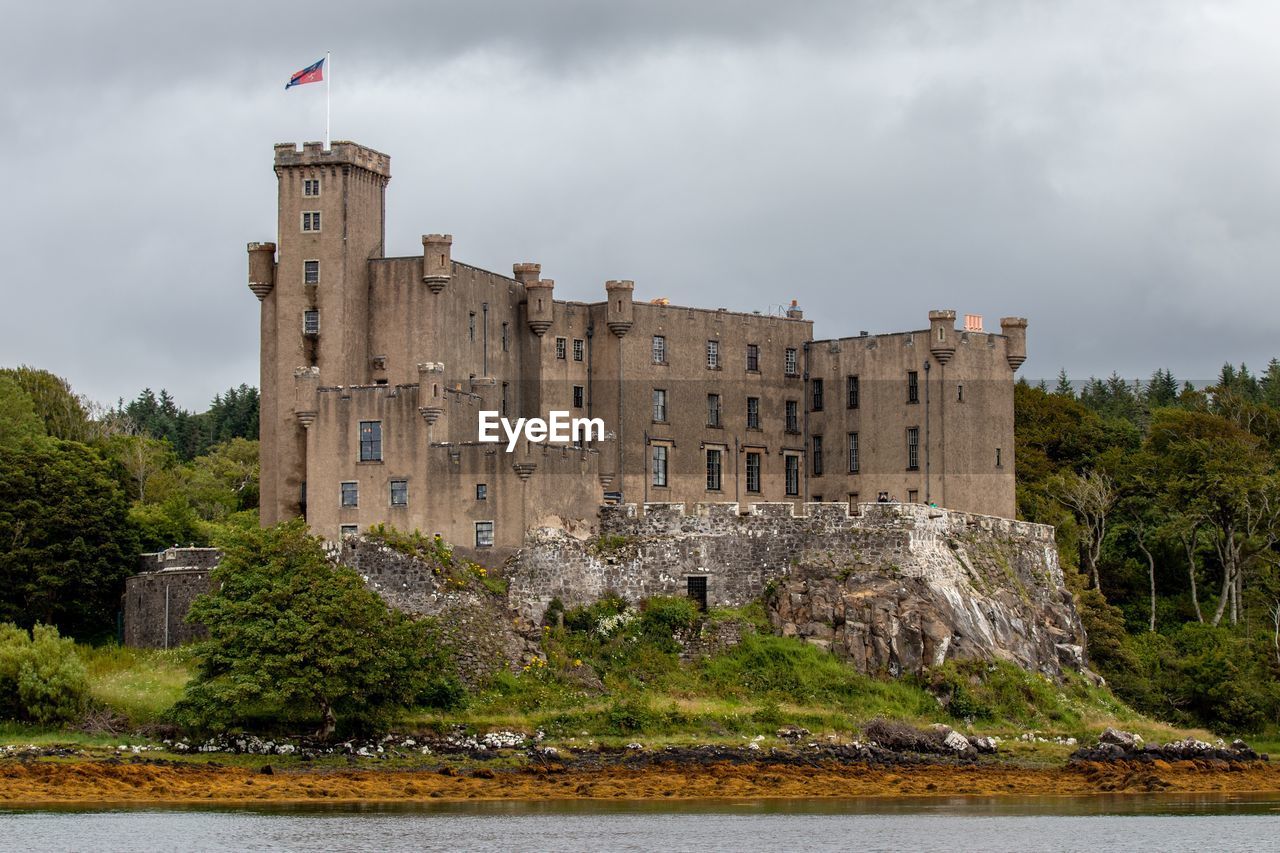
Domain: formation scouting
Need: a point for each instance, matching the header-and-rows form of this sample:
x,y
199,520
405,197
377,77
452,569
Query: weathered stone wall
x,y
157,599
894,588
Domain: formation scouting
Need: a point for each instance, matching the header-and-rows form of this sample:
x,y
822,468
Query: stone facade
x,y
156,599
374,369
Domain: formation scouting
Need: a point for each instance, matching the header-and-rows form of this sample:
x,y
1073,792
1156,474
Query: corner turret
x,y
540,309
619,315
262,269
1015,330
942,335
437,267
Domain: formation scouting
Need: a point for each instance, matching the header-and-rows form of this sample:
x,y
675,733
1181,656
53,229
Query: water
x,y
1108,823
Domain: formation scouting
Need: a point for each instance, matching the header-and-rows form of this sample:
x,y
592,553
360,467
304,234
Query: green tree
x,y
65,415
19,422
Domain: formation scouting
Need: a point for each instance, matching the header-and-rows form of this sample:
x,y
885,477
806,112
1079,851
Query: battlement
x,y
339,154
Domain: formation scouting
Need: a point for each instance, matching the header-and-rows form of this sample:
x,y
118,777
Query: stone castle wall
x,y
157,599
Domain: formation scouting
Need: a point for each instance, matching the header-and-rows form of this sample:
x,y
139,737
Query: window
x,y
753,413
311,322
696,588
484,534
399,492
713,469
753,471
310,272
817,456
659,465
350,494
854,462
817,395
998,458
913,496
713,410
659,405
348,530
793,474
578,393
792,362
578,349
311,187
371,441
506,388
311,220
959,393
753,358
713,355
659,349
913,448
793,416
913,386
506,337
851,391
560,347
482,491
471,326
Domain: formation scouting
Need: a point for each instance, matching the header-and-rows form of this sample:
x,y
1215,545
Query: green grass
x,y
141,684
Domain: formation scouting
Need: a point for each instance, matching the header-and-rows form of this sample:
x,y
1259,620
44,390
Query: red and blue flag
x,y
310,74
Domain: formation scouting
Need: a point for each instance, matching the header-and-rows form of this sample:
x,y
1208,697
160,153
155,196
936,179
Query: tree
x,y
293,635
18,419
1063,388
1090,496
64,414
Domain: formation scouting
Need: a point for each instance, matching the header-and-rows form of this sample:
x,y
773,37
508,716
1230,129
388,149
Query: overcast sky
x,y
1109,170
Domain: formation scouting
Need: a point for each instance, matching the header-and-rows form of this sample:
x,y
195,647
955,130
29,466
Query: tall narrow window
x,y
793,416
350,494
371,441
310,272
506,337
854,460
913,448
311,322
793,474
817,456
578,349
816,388
506,389
578,394
713,469
713,410
713,355
998,465
792,362
753,471
471,326
399,492
560,348
484,534
659,468
852,391
753,358
482,491
913,386
659,405
659,349
311,220
753,413
959,393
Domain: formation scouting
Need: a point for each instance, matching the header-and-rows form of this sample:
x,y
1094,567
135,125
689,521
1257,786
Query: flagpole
x,y
328,80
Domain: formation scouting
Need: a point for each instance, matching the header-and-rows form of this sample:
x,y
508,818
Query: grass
x,y
141,684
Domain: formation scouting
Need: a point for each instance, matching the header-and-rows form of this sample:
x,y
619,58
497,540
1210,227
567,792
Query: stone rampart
x,y
156,599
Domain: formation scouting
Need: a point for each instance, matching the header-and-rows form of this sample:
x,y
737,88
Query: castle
x,y
374,371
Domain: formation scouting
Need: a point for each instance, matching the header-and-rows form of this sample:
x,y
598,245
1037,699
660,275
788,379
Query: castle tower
x,y
315,300
1015,329
437,268
539,295
619,314
942,335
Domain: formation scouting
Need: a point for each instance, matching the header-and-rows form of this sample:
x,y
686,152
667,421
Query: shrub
x,y
41,675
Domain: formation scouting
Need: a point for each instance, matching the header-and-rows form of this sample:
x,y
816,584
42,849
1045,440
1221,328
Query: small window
x,y
659,349
346,531
793,416
792,362
959,393
484,534
913,386
713,355
311,322
311,187
578,394
578,349
482,491
817,456
697,590
506,392
713,410
913,448
714,469
753,471
854,461
998,465
371,441
816,388
913,496
753,413
659,405
399,492
350,494
471,326
659,465
793,474
506,337
310,272
852,391
753,358
560,348
853,503
311,220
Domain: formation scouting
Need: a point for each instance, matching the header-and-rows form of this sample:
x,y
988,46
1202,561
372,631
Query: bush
x,y
42,680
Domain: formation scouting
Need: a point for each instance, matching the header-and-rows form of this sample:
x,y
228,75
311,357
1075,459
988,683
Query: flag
x,y
310,74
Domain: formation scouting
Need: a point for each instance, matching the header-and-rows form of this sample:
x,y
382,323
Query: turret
x,y
437,268
540,311
262,269
1015,332
942,335
526,273
619,314
431,391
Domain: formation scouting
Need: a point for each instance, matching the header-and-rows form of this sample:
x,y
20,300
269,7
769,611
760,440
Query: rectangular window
x,y
310,272
753,358
854,461
913,496
792,362
793,474
998,457
659,349
399,492
659,465
506,337
851,391
578,394
484,534
311,220
753,471
311,187
482,491
578,349
713,470
471,326
817,456
659,405
371,441
913,386
696,588
817,395
506,388
959,393
348,530
793,416
713,410
350,494
713,355
913,448
311,322
753,413
560,348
